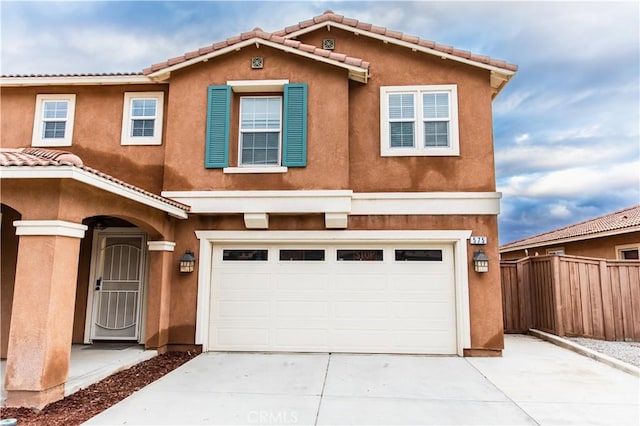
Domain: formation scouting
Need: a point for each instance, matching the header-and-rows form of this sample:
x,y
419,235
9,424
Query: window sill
x,y
412,152
232,170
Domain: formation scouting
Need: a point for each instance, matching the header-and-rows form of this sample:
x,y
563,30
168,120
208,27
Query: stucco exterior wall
x,y
96,131
484,289
327,123
393,65
604,247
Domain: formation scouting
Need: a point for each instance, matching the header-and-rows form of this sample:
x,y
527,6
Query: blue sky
x,y
566,127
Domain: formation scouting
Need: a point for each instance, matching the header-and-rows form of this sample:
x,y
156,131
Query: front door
x,y
118,280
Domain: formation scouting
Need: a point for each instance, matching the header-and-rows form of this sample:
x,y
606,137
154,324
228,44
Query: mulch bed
x,y
94,399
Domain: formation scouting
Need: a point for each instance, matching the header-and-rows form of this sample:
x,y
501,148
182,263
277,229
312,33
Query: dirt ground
x,y
90,401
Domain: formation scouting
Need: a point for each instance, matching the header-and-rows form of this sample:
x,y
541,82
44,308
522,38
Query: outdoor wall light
x,y
187,261
480,261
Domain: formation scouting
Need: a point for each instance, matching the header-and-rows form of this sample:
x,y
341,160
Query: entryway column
x,y
42,314
158,294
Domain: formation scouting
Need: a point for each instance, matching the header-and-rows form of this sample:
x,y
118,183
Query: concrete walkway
x,y
89,364
535,382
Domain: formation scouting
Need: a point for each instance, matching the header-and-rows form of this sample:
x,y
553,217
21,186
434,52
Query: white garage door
x,y
340,298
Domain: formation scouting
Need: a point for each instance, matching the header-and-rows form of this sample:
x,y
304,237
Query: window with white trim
x,y
419,121
260,130
628,252
142,118
53,121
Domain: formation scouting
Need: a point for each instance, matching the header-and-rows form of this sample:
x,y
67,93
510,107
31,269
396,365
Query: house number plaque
x,y
478,240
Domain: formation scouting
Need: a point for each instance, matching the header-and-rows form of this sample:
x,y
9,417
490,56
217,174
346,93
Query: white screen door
x,y
117,287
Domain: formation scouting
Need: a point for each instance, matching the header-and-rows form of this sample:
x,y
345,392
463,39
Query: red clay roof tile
x,y
42,157
329,16
619,220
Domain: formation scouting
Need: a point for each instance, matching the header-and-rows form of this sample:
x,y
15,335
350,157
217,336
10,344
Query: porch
x,y
91,363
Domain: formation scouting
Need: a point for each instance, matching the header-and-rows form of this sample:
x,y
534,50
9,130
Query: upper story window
x,y
53,121
142,118
272,127
260,130
419,121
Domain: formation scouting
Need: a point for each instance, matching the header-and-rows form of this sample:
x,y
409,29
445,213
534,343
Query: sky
x,y
566,127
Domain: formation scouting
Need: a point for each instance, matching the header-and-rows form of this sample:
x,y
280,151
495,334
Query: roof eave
x,y
503,75
508,249
75,173
355,73
24,81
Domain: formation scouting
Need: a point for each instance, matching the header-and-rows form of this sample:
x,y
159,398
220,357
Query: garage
x,y
364,297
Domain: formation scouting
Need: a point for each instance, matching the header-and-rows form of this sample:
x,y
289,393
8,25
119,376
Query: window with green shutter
x,y
272,129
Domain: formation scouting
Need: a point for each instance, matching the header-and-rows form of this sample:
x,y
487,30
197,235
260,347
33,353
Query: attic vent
x,y
328,44
257,63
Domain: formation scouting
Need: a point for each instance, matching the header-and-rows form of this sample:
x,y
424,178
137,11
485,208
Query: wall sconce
x,y
187,261
480,261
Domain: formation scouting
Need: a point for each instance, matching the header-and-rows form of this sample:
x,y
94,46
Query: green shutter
x,y
217,144
294,143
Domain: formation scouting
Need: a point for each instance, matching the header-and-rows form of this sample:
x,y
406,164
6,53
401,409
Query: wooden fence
x,y
572,296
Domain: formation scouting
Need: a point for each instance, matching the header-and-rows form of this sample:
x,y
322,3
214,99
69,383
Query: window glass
x,y
361,255
143,108
631,254
54,119
245,255
142,118
436,133
419,255
401,120
299,255
260,123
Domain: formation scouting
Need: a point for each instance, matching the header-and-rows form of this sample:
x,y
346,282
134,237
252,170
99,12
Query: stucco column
x,y
159,294
42,315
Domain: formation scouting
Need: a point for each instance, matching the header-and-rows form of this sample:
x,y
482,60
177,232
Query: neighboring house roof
x,y
55,164
502,71
620,222
358,68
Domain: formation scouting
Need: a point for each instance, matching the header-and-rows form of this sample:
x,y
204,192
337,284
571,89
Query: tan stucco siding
x,y
327,123
472,170
603,248
484,289
97,130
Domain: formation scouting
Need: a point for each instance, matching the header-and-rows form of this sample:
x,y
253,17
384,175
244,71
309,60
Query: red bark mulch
x,y
92,400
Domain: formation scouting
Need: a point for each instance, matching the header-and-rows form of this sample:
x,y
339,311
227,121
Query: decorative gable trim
x,y
357,68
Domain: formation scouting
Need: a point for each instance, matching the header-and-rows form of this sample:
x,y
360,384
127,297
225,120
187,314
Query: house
x,y
612,236
327,179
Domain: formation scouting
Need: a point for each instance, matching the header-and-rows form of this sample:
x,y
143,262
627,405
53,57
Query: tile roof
x,y
617,221
259,35
329,17
110,74
42,157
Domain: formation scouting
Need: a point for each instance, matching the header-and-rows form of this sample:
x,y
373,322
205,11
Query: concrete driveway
x,y
535,382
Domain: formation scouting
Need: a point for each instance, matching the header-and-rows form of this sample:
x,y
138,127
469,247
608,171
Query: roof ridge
x,y
574,225
258,33
330,16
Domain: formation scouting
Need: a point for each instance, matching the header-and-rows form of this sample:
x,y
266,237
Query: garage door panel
x,y
240,280
252,338
364,306
301,282
429,311
295,308
229,309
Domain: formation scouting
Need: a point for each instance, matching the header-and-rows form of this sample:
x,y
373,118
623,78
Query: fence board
x,y
571,295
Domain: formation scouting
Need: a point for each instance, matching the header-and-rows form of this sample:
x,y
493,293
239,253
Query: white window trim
x,y
274,168
419,149
624,247
156,139
37,139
